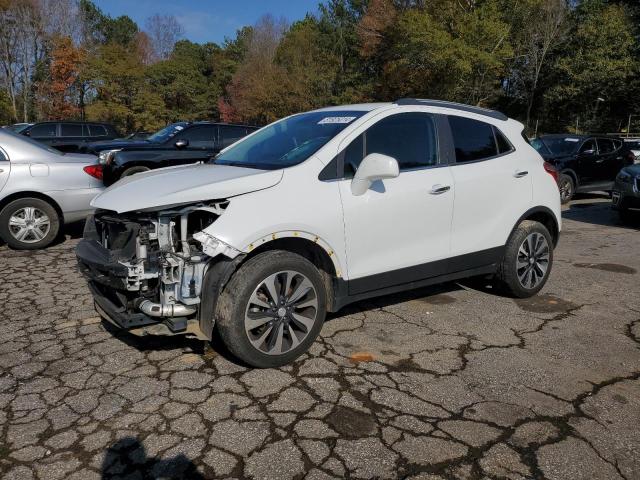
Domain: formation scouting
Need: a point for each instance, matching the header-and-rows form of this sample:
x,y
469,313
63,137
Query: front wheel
x,y
272,309
29,224
527,260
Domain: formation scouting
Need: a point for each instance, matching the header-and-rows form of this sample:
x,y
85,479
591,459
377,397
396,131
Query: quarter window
x,y
504,146
410,138
473,140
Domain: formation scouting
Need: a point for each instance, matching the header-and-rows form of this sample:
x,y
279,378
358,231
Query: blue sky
x,y
209,20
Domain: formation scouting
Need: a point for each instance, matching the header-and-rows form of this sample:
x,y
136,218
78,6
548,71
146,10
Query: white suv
x,y
318,210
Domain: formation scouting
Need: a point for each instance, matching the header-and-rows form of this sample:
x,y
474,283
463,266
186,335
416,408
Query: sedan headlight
x,y
106,156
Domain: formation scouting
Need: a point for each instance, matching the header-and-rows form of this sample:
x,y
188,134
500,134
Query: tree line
x,y
556,65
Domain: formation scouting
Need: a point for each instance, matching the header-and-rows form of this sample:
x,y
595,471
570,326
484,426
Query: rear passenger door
x,y
493,189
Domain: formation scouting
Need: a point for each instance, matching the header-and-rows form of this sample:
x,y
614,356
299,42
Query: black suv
x,y
176,144
69,136
585,163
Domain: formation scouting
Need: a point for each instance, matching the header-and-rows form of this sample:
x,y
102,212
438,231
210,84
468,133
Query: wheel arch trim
x,y
536,212
32,194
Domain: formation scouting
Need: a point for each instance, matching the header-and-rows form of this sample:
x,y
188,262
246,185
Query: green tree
x,y
594,75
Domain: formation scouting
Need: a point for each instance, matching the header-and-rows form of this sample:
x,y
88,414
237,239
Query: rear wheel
x,y
527,260
272,309
567,188
29,224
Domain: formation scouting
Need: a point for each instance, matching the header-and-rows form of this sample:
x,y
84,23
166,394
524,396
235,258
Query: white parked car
x,y
316,211
633,144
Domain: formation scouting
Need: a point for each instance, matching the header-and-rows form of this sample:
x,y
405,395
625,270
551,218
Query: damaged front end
x,y
146,269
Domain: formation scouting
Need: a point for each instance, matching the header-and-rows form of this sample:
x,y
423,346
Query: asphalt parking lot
x,y
448,382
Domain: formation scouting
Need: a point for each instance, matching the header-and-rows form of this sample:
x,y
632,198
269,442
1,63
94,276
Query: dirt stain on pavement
x,y
545,303
351,423
607,267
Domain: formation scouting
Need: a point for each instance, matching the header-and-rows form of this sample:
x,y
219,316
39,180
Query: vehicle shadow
x,y
127,458
596,210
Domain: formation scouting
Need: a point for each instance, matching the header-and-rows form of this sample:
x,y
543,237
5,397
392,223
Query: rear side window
x,y
410,138
588,146
231,134
97,131
43,130
205,133
71,130
473,140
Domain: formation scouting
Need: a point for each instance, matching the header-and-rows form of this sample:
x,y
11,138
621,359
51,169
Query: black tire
x,y
510,270
14,209
627,216
133,170
234,302
567,188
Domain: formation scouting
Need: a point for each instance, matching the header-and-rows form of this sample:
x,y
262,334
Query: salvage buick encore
x,y
318,210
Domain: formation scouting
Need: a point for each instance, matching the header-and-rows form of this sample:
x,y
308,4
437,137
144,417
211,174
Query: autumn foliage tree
x,y
58,93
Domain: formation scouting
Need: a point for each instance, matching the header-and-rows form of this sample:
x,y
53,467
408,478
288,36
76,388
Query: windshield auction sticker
x,y
336,120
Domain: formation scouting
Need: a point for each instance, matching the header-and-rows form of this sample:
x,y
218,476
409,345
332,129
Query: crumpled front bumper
x,y
107,281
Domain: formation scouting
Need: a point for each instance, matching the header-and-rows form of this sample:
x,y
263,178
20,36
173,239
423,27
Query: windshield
x,y
288,142
561,145
167,132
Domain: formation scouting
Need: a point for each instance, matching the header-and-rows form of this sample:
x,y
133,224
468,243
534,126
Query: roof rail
x,y
457,106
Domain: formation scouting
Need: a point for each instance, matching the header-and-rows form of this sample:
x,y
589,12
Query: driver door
x,y
399,230
200,144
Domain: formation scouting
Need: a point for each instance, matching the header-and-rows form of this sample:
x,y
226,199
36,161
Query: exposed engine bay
x,y
157,258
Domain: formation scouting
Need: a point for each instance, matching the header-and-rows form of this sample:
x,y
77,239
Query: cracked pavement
x,y
448,382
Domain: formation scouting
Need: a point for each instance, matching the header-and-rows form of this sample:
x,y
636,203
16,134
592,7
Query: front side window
x,y
473,140
204,133
410,138
44,130
588,146
288,142
71,130
606,145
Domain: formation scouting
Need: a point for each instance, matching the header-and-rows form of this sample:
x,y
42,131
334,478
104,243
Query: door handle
x,y
521,173
1,170
600,161
439,189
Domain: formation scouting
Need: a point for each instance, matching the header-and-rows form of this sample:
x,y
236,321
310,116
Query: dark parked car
x,y
626,191
177,144
584,163
70,136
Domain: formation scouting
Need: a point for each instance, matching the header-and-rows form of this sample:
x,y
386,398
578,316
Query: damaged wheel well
x,y
303,247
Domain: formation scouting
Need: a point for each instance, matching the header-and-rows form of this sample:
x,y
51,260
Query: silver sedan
x,y
42,189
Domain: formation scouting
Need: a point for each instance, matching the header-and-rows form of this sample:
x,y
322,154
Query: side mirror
x,y
374,166
27,133
182,143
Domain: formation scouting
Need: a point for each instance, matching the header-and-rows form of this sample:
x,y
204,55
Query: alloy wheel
x,y
29,225
566,190
533,260
281,312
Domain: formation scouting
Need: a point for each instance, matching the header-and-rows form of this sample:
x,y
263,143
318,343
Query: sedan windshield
x,y
561,145
288,142
167,132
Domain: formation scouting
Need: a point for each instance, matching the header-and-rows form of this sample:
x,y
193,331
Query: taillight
x,y
551,170
94,170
